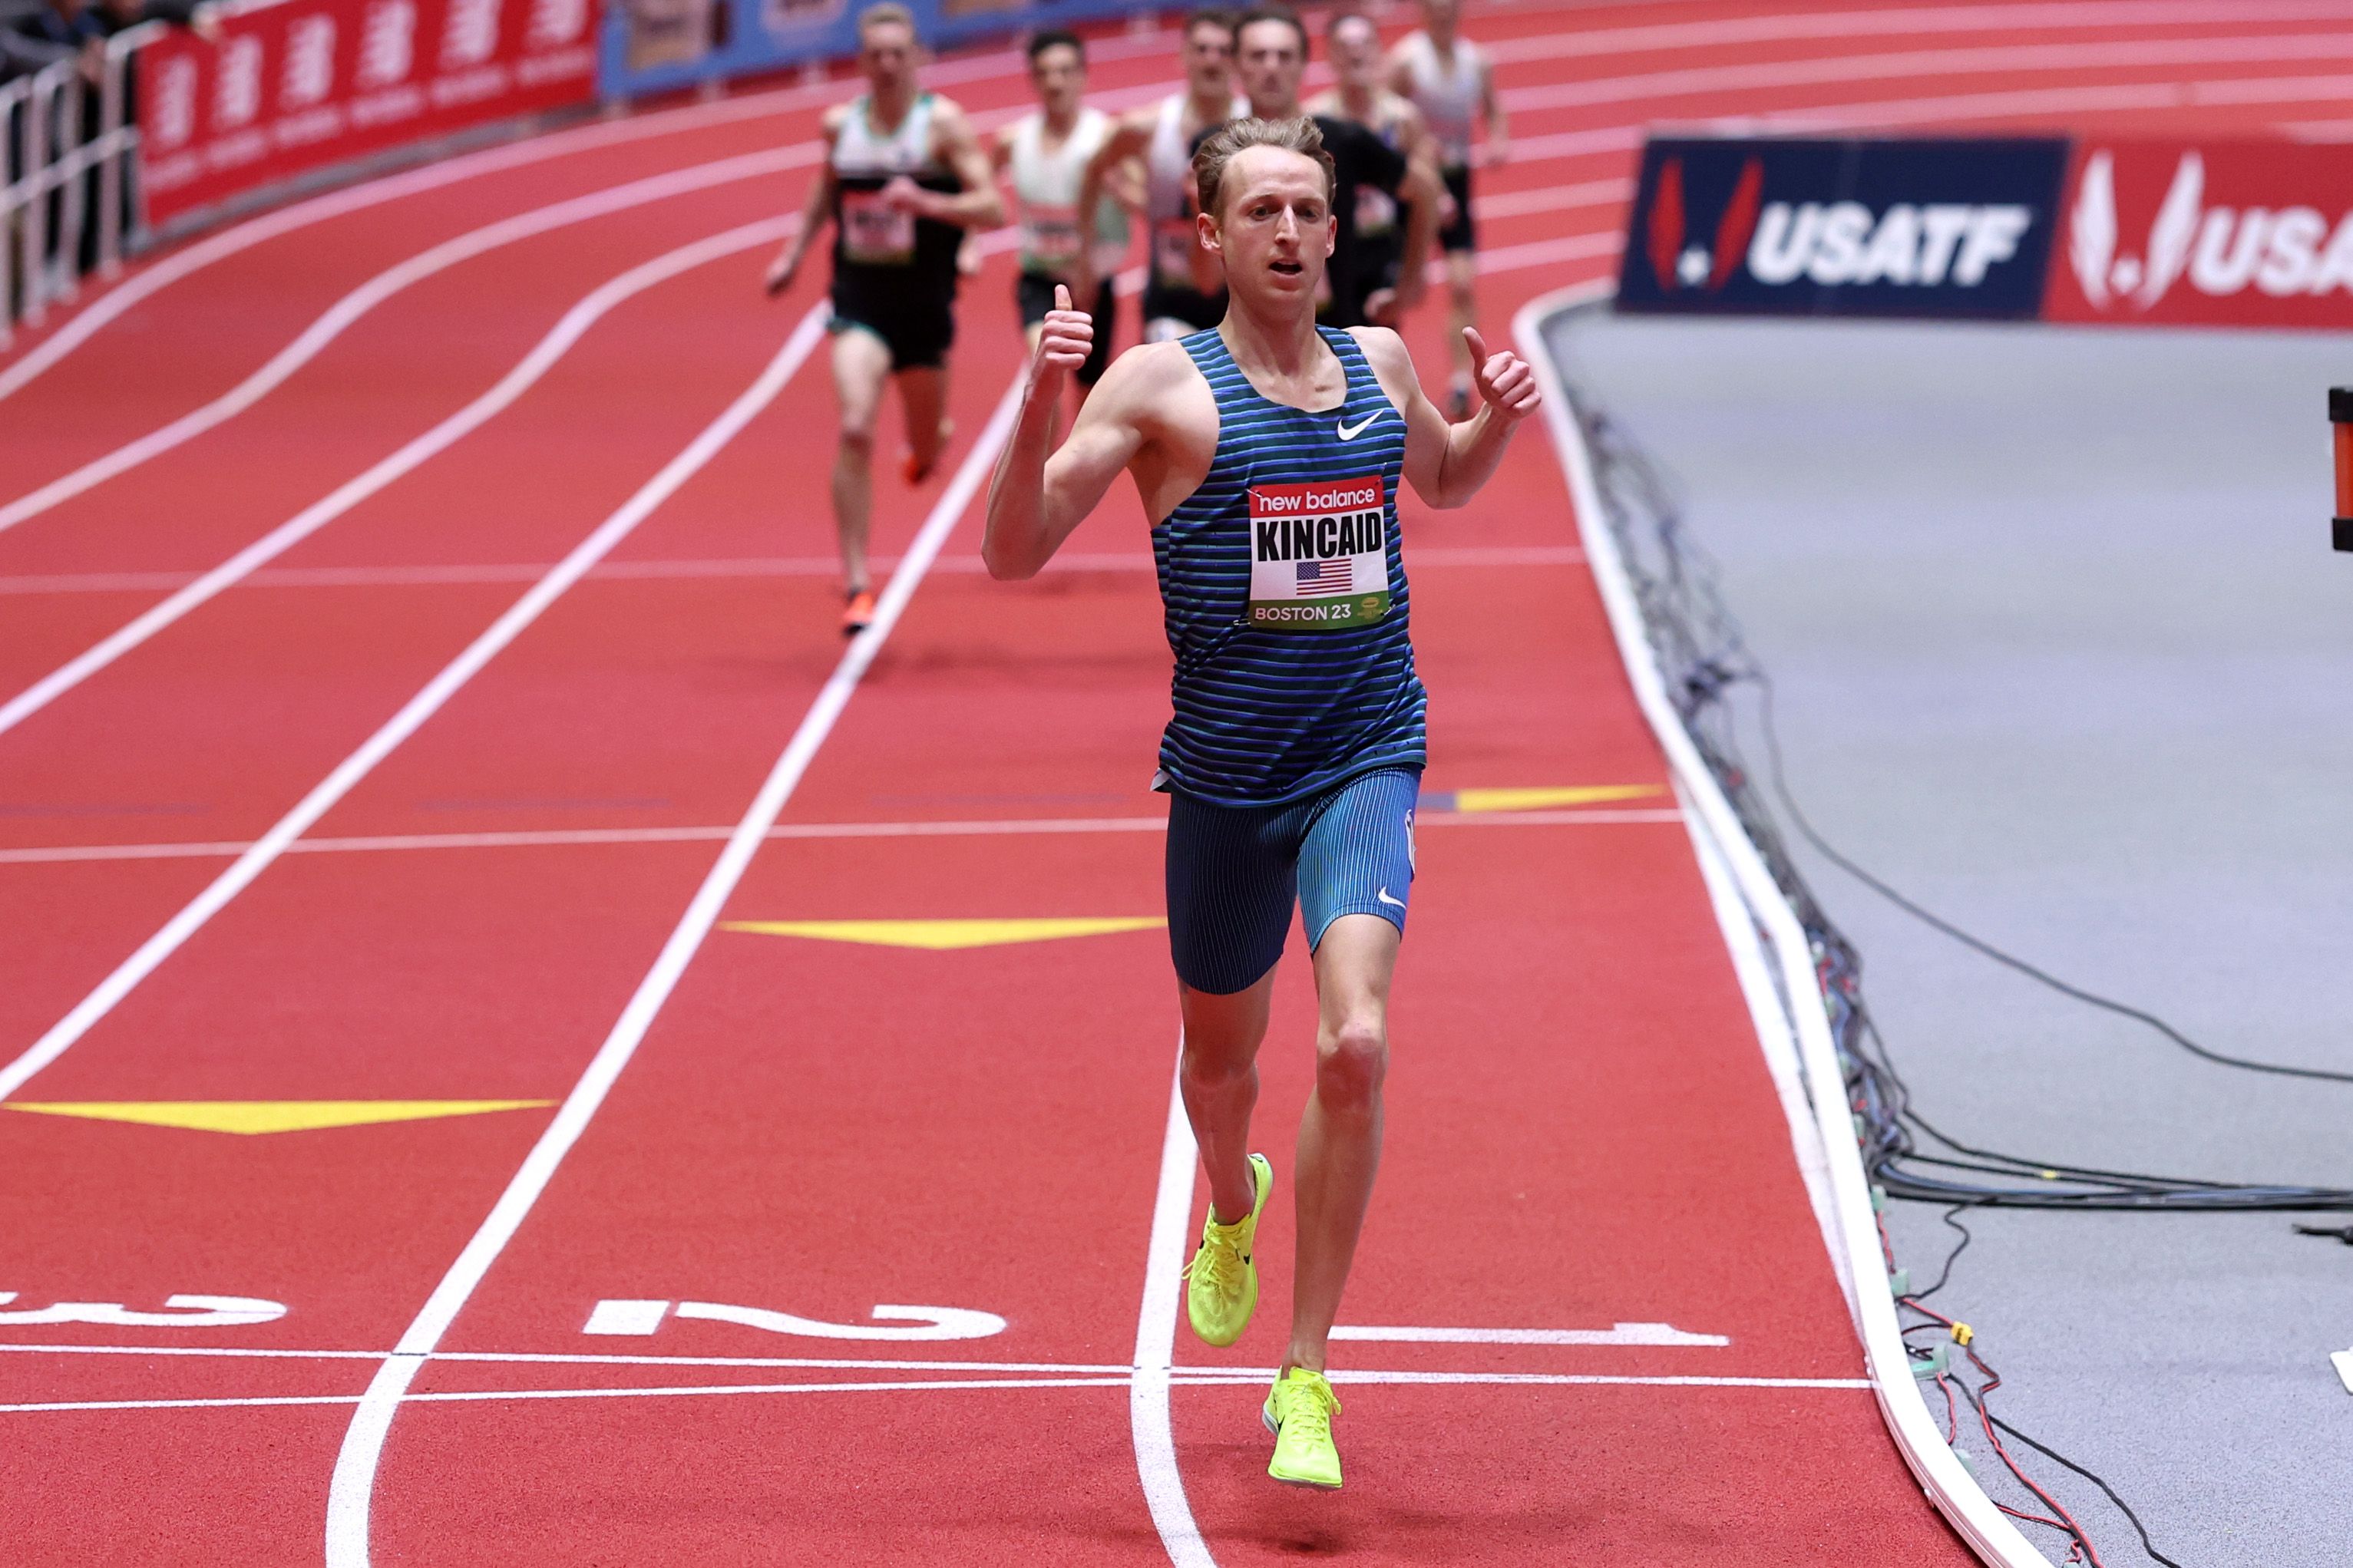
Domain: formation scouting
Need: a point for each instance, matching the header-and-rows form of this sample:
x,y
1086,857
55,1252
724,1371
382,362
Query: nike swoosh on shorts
x,y
1384,896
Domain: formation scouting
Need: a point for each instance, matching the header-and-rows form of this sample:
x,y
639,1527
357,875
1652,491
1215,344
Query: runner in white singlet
x,y
1046,155
1182,292
1450,79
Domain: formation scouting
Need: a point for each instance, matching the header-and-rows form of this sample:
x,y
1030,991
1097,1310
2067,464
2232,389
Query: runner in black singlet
x,y
903,178
1270,57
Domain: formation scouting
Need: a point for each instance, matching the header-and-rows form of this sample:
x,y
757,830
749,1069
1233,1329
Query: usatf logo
x,y
1676,264
1936,226
2218,250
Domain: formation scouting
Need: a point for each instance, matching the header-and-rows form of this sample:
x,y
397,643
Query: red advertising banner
x,y
292,85
2207,233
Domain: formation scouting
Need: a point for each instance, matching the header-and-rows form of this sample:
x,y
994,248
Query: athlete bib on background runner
x,y
874,232
1319,556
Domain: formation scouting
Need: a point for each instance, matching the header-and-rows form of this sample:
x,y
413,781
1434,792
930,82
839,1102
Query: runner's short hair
x,y
1301,135
883,14
1216,16
1344,15
1282,14
1056,39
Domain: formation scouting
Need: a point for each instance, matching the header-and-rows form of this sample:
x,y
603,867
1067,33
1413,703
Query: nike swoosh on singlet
x,y
1384,896
1347,435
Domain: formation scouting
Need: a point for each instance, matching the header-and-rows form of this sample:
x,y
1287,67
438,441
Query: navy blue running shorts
x,y
1235,872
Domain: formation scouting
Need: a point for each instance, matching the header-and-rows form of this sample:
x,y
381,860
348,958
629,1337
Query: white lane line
x,y
566,837
1155,1342
526,374
740,566
1620,1335
2000,59
2119,98
531,1358
338,316
427,702
1903,21
924,1385
351,1494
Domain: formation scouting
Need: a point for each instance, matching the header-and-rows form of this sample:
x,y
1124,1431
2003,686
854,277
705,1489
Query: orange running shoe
x,y
859,614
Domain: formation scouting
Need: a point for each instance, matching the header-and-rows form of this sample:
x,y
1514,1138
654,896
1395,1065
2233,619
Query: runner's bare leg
x,y
861,364
923,400
1461,308
1340,1135
1219,1077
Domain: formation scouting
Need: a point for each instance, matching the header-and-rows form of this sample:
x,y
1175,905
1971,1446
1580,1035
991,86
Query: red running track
x,y
1584,1130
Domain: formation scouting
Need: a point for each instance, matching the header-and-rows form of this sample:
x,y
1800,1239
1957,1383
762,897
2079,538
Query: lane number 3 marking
x,y
181,1312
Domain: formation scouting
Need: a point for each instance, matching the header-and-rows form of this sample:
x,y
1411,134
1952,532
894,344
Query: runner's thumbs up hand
x,y
1067,338
1507,383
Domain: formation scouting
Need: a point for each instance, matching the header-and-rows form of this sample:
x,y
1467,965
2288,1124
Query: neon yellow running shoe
x,y
1299,1411
1221,1282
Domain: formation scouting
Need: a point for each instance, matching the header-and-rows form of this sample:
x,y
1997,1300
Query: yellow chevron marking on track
x,y
252,1116
1537,799
942,935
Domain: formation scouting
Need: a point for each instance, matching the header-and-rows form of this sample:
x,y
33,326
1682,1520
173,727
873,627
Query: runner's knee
x,y
1351,1060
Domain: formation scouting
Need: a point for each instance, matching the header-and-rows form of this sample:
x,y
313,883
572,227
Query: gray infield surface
x,y
2062,653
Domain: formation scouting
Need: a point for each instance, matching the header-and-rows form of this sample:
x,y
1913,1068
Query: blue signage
x,y
1942,227
654,46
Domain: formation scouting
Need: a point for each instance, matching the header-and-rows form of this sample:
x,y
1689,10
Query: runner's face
x,y
1060,77
886,53
1209,61
1270,58
1276,229
1356,55
1441,15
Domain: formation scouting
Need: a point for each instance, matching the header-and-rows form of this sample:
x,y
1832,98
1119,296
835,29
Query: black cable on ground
x,y
1705,659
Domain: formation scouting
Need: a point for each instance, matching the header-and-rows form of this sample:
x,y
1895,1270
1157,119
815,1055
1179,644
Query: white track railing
x,y
1768,922
44,116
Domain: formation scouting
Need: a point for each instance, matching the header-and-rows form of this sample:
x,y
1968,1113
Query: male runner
x,y
1267,454
1270,57
903,175
1174,302
1355,46
1047,153
1451,80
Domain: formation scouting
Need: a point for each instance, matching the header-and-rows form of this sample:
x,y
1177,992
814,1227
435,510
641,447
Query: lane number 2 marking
x,y
900,1323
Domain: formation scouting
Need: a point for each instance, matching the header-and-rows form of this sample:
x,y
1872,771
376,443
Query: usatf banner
x,y
2243,234
1926,227
288,85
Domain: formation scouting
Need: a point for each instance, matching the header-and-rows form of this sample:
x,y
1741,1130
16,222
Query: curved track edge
x,y
1766,941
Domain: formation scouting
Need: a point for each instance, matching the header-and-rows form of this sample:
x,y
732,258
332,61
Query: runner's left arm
x,y
1036,499
1412,178
1447,463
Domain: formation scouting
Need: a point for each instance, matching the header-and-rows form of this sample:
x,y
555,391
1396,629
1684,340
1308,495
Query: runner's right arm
x,y
1036,499
815,214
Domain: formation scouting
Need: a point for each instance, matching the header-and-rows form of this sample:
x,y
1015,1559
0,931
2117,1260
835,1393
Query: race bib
x,y
874,233
1171,251
1319,556
1377,211
1050,235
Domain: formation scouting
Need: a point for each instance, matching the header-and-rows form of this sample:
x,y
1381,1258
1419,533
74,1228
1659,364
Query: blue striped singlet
x,y
1286,595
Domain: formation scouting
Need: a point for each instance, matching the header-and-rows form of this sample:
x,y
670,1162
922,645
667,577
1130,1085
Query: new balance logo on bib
x,y
1319,556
